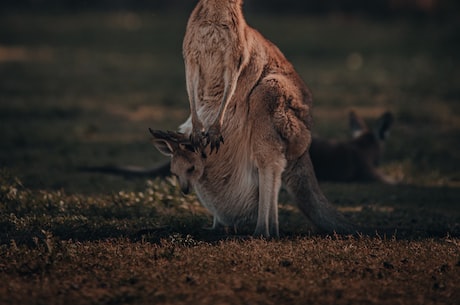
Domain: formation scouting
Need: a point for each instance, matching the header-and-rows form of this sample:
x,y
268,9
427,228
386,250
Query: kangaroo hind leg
x,y
270,180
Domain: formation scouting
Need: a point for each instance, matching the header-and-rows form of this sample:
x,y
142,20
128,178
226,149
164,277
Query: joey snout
x,y
185,188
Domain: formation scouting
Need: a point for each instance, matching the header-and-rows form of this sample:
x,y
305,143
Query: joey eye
x,y
191,169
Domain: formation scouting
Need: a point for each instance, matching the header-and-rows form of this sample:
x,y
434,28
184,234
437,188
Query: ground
x,y
81,89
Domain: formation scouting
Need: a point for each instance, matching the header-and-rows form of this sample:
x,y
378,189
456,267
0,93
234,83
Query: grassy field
x,y
82,89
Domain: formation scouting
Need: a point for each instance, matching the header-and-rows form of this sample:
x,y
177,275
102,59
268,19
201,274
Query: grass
x,y
82,89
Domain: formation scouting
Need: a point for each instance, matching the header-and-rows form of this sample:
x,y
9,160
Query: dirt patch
x,y
183,271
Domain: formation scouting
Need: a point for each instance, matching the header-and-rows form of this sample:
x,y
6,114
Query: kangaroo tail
x,y
160,170
300,181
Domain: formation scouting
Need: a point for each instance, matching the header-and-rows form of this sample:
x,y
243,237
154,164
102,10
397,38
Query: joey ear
x,y
384,124
165,146
357,125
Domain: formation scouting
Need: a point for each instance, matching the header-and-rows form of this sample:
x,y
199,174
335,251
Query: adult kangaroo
x,y
242,89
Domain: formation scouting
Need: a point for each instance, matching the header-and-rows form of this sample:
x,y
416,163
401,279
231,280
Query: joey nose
x,y
185,189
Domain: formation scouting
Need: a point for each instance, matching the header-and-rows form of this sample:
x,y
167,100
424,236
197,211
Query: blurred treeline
x,y
380,8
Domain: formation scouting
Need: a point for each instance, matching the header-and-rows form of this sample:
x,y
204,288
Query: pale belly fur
x,y
232,197
229,187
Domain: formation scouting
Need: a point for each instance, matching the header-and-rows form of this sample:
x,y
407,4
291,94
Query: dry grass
x,y
184,271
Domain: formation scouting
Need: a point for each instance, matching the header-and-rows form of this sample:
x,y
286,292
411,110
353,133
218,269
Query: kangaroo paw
x,y
198,139
214,138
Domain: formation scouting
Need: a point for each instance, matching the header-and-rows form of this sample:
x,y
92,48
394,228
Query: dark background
x,y
381,8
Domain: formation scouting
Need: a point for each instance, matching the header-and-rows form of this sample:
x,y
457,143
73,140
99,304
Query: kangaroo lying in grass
x,y
356,159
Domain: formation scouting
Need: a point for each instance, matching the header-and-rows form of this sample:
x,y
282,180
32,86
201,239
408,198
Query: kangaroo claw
x,y
214,137
214,142
198,140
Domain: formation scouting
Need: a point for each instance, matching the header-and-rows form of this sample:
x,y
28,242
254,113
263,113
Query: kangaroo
x,y
353,160
242,89
228,185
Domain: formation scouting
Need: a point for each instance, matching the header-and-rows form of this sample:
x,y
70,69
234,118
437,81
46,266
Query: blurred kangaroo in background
x,y
356,159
